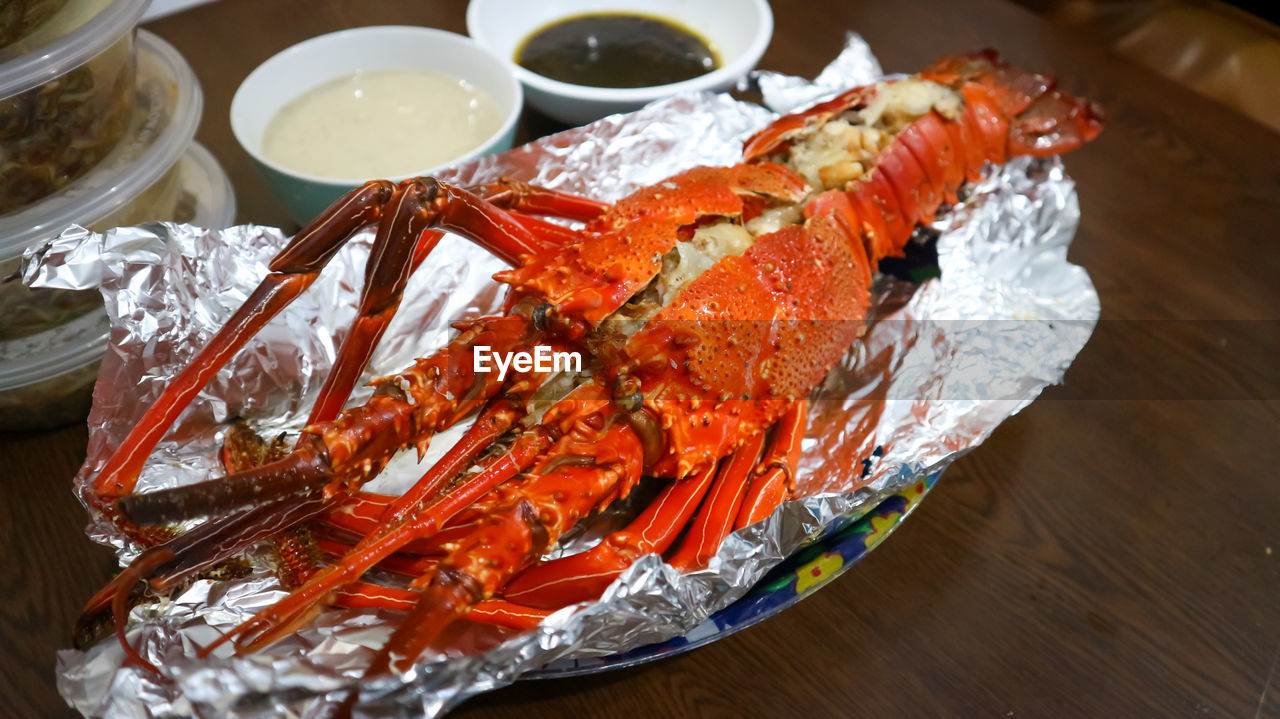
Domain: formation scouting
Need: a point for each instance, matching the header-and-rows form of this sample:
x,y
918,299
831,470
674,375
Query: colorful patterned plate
x,y
802,574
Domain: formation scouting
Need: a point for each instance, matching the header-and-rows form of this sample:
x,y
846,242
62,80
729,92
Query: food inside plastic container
x,y
140,180
19,18
46,380
196,191
57,131
65,95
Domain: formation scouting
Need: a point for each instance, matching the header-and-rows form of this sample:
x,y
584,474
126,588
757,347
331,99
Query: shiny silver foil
x,y
942,364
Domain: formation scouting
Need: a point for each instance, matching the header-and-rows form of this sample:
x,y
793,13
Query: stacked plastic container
x,y
97,121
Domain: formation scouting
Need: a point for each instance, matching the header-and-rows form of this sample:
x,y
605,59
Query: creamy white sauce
x,y
380,123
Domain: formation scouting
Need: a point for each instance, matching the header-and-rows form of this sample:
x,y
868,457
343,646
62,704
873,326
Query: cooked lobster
x,y
707,307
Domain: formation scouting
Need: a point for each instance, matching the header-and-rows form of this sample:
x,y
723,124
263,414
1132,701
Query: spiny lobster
x,y
708,305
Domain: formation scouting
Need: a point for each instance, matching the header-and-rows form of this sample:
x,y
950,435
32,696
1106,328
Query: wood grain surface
x,y
1110,551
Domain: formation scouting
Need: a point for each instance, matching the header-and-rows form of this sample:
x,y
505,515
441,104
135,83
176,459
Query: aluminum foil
x,y
942,364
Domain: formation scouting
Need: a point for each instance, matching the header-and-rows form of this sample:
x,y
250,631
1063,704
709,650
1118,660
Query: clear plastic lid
x,y
79,31
204,178
45,355
80,342
166,113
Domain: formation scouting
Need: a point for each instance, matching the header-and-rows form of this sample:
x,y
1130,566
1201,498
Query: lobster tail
x,y
886,157
1042,120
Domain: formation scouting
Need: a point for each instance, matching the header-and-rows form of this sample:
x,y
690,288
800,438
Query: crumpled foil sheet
x,y
942,364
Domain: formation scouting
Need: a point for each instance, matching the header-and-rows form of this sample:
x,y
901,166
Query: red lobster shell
x,y
709,306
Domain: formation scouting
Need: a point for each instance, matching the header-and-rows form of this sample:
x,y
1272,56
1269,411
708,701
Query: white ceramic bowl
x,y
739,31
314,62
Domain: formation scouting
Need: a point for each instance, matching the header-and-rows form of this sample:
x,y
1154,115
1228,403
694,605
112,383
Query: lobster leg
x,y
359,518
583,576
404,213
337,456
437,607
292,272
295,609
746,491
187,555
363,595
524,200
715,517
368,515
119,600
203,548
507,614
564,480
451,595
359,513
492,423
534,200
304,472
548,233
775,477
402,564
400,236
400,244
521,521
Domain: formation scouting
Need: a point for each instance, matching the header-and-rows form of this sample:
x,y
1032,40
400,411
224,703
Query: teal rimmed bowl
x,y
311,63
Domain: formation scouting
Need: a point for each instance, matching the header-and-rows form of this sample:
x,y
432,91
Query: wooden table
x,y
1113,550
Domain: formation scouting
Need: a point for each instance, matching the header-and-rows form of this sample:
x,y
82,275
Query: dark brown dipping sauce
x,y
616,50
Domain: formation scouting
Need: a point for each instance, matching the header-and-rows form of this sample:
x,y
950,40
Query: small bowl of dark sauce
x,y
581,60
616,49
